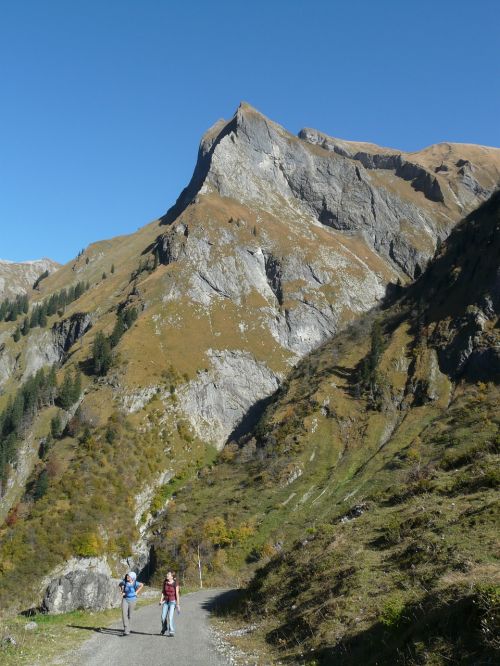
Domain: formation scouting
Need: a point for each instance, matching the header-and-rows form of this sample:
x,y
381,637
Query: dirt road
x,y
191,646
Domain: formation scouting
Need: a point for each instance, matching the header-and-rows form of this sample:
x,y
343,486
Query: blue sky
x,y
103,103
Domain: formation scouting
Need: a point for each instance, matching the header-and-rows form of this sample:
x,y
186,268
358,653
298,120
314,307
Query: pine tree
x,y
101,355
377,345
14,311
17,334
56,426
35,316
41,485
17,413
62,298
130,317
77,386
65,394
42,320
51,385
112,268
25,328
118,331
40,278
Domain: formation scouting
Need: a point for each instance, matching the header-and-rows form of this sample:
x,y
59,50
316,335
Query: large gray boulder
x,y
86,590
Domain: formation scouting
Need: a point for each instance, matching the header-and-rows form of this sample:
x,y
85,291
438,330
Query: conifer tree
x,y
130,317
14,311
17,334
35,316
65,393
41,485
56,426
51,385
101,354
77,386
118,331
25,328
17,413
42,320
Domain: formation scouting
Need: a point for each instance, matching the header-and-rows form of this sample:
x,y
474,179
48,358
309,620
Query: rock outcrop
x,y
81,590
255,161
67,331
217,400
311,230
19,277
80,583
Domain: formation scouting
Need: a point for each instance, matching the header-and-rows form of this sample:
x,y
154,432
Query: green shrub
x,y
392,612
88,544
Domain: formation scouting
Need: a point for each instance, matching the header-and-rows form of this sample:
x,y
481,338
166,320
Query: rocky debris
x,y
67,331
293,473
243,631
133,401
9,641
234,656
81,590
30,626
354,512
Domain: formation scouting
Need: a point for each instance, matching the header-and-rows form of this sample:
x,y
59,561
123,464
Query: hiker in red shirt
x,y
170,598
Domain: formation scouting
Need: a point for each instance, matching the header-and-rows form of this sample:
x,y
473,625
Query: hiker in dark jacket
x,y
130,588
170,599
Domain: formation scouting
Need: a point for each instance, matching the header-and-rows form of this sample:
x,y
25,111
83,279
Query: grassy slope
x,y
90,477
384,549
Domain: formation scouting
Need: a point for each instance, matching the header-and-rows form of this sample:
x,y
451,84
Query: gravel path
x,y
192,645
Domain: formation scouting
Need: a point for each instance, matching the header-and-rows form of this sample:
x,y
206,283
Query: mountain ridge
x,y
275,247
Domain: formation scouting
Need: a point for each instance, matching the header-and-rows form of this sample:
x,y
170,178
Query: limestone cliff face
x,y
276,243
398,203
296,236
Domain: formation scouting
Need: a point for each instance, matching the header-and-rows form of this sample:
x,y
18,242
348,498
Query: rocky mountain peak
x,y
399,203
19,277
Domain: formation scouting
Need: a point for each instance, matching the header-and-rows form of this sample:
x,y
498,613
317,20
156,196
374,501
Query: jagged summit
x,y
399,203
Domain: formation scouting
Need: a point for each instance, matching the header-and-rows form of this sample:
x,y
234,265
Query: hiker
x,y
170,599
130,588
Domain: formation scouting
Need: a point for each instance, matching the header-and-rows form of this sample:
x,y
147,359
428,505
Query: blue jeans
x,y
167,615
